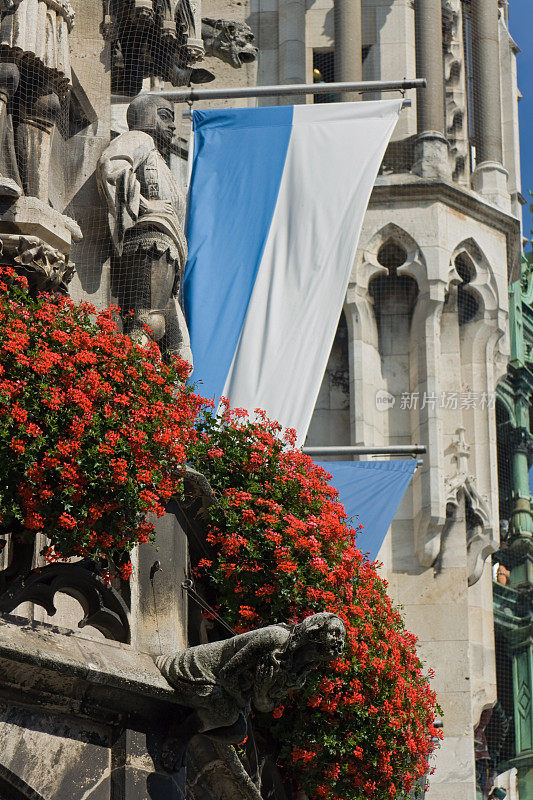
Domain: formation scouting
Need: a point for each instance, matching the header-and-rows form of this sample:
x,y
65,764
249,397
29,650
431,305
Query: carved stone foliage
x,y
46,268
36,240
21,582
223,679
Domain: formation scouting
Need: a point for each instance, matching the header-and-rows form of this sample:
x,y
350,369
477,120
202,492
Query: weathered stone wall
x,y
80,719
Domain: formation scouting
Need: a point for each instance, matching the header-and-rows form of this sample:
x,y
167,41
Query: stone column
x,y
291,59
431,150
490,177
348,44
158,603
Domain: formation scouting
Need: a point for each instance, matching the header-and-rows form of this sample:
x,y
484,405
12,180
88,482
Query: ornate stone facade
x,y
425,324
425,321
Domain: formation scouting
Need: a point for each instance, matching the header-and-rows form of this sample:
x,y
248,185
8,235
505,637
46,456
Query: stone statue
x,y
166,39
34,79
223,679
146,219
153,38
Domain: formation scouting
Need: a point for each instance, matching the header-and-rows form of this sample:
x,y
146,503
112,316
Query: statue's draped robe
x,y
131,170
149,242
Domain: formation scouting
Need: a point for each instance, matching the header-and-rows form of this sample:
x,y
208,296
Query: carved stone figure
x,y
163,38
46,268
34,78
232,42
221,680
146,219
153,38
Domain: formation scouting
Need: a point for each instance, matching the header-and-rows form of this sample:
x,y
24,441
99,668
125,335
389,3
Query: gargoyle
x,y
230,41
222,680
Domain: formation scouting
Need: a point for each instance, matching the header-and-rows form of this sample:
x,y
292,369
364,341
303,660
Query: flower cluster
x,y
93,431
283,550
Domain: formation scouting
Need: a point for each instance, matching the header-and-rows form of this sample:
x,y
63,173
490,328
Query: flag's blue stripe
x,y
240,154
371,492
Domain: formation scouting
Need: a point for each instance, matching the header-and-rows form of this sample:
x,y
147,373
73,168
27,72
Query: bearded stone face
x,y
155,116
165,127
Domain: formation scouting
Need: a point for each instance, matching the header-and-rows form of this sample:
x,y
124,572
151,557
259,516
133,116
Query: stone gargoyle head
x,y
228,40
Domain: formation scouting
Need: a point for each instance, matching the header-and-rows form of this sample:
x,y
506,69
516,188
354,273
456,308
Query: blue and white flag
x,y
371,492
276,204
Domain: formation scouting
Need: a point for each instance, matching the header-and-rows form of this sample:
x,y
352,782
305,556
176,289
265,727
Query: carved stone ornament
x,y
230,41
146,222
222,680
35,77
21,582
167,39
46,268
153,38
480,540
455,87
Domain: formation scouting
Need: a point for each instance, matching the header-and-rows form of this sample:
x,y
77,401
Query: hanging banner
x,y
371,492
276,204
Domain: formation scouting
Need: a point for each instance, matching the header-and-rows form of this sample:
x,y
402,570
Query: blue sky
x,y
521,25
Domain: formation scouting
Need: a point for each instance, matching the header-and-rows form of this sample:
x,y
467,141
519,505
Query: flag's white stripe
x,y
332,161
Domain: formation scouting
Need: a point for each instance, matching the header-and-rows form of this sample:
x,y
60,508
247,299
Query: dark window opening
x,y
324,72
392,255
467,304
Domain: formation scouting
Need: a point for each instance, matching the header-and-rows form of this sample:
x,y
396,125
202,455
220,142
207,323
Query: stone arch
x,y
14,788
485,339
481,282
506,404
394,284
413,264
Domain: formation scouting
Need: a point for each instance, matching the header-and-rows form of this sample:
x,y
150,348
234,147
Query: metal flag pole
x,y
190,94
356,450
